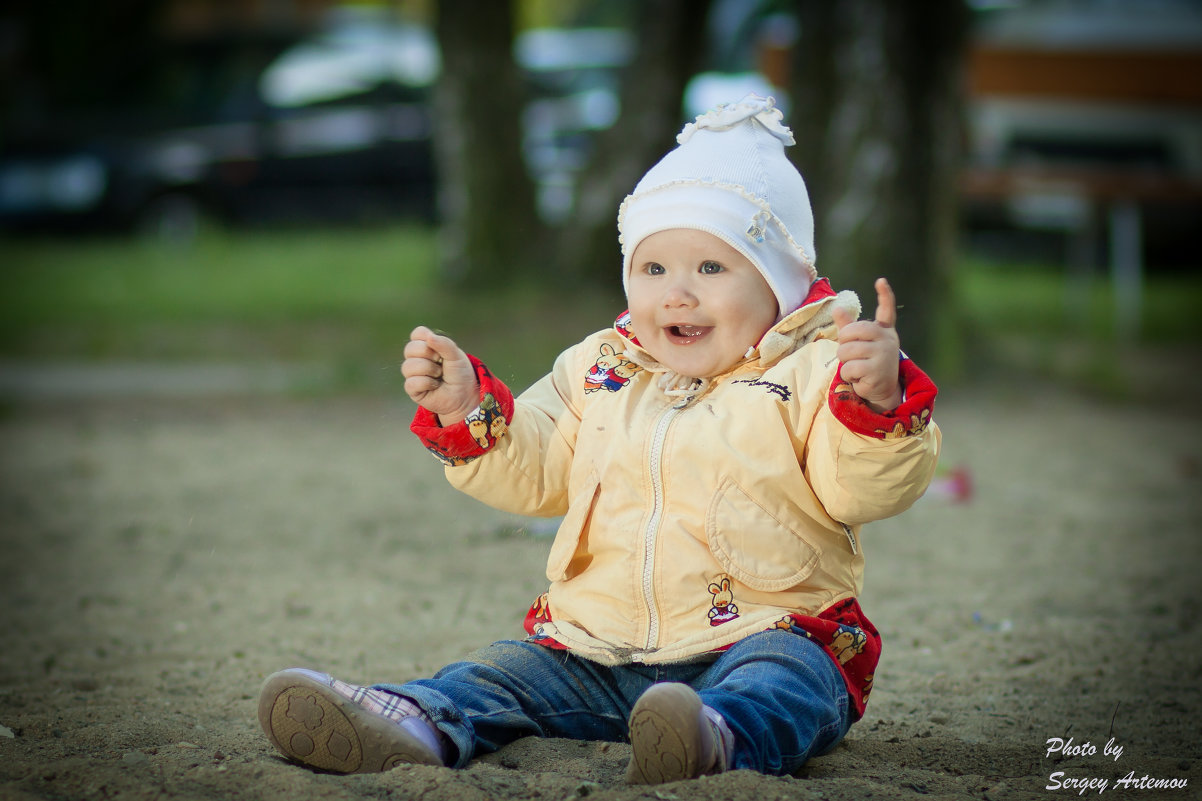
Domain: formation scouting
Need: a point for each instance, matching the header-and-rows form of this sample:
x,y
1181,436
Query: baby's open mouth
x,y
687,333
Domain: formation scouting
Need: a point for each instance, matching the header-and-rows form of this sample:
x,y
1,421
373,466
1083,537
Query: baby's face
x,y
696,303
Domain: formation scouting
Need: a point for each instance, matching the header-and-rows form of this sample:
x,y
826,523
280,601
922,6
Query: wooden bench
x,y
1117,193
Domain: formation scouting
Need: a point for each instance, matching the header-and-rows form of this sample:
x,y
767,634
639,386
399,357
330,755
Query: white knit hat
x,y
729,177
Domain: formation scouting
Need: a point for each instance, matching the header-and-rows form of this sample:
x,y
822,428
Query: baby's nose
x,y
677,294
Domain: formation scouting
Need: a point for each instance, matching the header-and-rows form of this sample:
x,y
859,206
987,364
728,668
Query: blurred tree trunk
x,y
669,46
490,230
877,99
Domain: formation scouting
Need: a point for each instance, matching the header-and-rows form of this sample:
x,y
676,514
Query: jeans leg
x,y
782,696
514,689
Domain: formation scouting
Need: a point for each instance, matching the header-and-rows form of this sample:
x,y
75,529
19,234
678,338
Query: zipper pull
x,y
851,538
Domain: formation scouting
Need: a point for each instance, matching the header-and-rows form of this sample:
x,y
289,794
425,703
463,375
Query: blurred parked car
x,y
336,127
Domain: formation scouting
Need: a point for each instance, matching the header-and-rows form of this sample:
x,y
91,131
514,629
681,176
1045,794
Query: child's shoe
x,y
328,724
674,736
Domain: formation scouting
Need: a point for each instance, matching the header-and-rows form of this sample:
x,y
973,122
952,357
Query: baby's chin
x,y
695,371
698,358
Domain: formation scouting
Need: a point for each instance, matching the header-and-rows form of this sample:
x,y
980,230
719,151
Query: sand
x,y
160,557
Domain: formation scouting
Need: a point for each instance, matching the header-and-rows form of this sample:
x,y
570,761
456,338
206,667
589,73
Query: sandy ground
x,y
161,557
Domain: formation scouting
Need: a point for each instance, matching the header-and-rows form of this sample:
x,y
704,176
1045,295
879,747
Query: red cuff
x,y
908,419
478,432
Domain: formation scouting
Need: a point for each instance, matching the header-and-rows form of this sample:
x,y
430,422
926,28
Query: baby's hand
x,y
439,376
869,351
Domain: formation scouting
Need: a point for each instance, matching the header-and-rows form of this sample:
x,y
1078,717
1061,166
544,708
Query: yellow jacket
x,y
695,513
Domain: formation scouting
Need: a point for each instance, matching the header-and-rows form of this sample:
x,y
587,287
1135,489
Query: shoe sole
x,y
310,723
665,737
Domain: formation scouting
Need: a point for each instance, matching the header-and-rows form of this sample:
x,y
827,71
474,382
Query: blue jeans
x,y
779,692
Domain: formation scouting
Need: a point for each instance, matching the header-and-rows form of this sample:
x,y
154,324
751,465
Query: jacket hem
x,y
842,629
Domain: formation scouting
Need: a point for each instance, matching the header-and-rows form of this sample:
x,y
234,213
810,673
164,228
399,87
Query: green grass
x,y
1034,318
1041,300
347,299
250,277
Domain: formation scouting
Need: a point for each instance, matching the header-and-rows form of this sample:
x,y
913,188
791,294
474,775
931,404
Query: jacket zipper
x,y
651,532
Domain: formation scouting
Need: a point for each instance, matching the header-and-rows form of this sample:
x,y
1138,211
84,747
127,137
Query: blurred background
x,y
288,186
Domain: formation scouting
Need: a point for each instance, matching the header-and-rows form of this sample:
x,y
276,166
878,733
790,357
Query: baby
x,y
714,455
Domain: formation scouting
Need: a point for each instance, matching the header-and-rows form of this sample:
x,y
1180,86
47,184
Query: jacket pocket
x,y
753,546
567,539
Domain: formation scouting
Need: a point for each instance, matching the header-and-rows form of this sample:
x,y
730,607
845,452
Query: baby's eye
x,y
711,267
654,268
